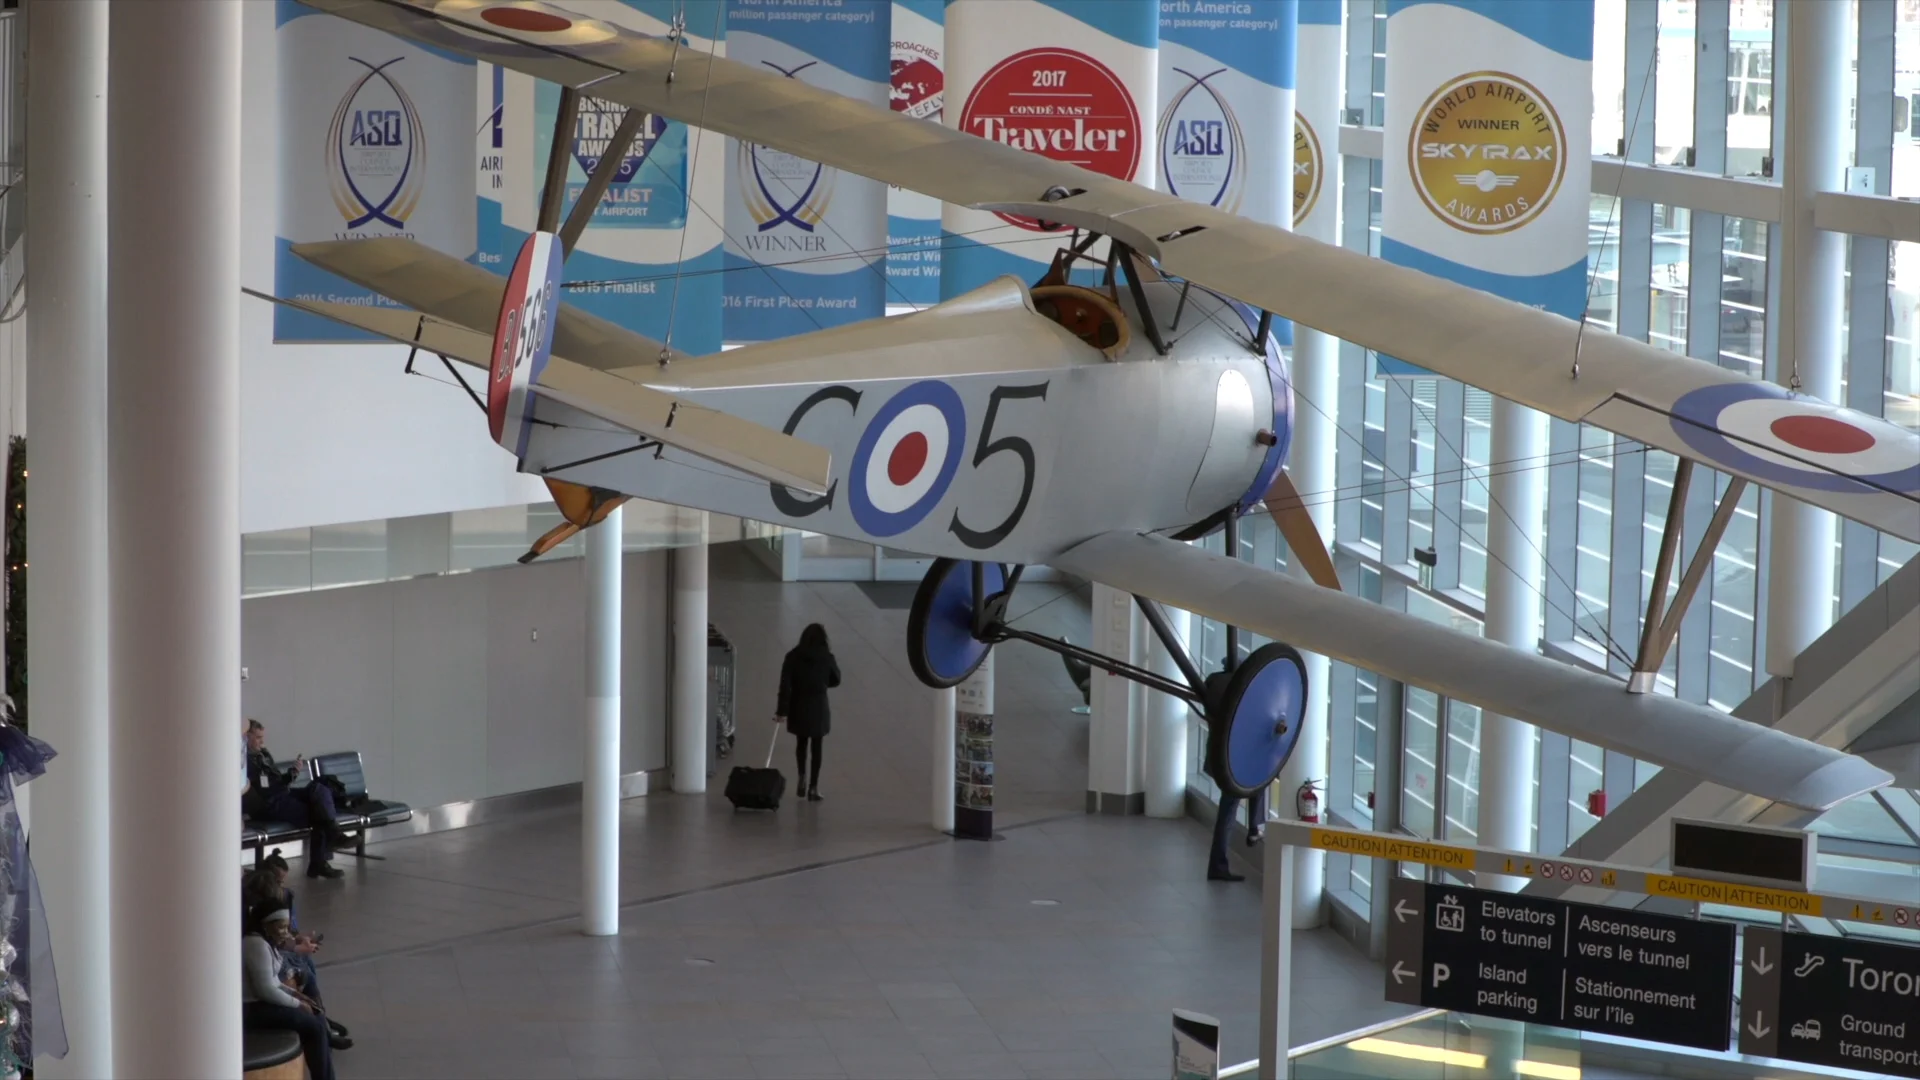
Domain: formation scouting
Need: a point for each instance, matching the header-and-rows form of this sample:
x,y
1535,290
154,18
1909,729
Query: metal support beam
x,y
1132,273
555,190
1157,618
1696,572
598,180
1647,668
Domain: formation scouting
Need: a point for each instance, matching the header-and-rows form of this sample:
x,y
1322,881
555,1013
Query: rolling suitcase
x,y
749,788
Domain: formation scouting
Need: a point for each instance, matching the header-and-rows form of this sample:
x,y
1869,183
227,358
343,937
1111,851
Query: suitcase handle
x,y
774,743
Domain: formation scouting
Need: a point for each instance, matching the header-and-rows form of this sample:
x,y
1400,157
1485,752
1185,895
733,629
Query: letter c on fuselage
x,y
784,499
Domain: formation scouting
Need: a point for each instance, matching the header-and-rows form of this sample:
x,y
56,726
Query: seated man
x,y
271,796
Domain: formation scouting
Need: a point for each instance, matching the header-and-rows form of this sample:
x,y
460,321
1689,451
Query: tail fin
x,y
523,339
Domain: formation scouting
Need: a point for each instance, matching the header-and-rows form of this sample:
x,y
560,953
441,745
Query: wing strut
x,y
1661,628
556,190
601,178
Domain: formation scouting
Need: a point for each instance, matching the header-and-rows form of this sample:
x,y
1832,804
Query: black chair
x,y
358,812
267,1053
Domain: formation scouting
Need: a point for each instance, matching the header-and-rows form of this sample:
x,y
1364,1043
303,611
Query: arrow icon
x,y
1401,973
1760,965
1759,1026
1402,912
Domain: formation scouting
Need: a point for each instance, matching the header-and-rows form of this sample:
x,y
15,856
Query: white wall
x,y
440,684
333,434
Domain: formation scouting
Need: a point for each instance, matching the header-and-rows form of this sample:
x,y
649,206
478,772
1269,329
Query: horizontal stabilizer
x,y
417,276
405,327
1582,704
709,433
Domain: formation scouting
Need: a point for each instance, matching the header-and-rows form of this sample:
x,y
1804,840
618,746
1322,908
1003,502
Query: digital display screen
x,y
1740,853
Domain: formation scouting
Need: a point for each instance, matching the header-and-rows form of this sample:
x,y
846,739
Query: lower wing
x,y
1584,705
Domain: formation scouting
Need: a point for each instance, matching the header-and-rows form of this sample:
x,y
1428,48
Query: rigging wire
x,y
693,164
1593,283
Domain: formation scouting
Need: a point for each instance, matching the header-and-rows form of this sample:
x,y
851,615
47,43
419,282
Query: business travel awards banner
x,y
649,259
1075,80
1222,65
371,136
1487,161
919,86
805,243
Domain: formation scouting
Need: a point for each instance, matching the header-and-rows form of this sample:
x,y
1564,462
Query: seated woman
x,y
266,888
270,999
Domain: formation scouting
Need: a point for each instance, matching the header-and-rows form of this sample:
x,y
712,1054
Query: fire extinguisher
x,y
1306,802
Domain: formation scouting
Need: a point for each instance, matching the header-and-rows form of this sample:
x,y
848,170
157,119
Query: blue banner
x,y
918,73
650,259
370,131
805,244
1226,74
1487,156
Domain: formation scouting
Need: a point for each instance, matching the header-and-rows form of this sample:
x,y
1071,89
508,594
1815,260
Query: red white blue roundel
x,y
906,458
1779,437
491,28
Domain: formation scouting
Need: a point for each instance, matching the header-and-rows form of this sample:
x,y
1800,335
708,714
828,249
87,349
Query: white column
x,y
944,706
1165,758
692,734
1114,723
67,528
1813,160
1277,866
600,788
1514,525
173,537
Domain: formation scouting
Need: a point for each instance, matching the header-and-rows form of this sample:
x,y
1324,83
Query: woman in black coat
x,y
805,677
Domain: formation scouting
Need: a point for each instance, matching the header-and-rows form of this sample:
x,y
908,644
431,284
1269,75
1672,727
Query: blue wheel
x,y
941,647
1257,722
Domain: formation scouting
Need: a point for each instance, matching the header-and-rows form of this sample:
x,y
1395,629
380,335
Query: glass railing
x,y
394,549
1435,1045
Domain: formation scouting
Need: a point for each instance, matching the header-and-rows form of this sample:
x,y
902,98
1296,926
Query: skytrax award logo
x,y
1202,146
376,151
1488,153
1309,169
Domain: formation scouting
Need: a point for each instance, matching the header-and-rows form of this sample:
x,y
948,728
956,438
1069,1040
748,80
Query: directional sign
x,y
1583,966
1831,1001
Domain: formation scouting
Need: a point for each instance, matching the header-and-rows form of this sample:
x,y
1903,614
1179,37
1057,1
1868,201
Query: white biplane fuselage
x,y
977,429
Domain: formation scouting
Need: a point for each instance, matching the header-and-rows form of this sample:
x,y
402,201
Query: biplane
x,y
1088,427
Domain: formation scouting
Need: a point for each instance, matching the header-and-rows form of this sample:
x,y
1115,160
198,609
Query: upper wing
x,y
1845,461
1512,682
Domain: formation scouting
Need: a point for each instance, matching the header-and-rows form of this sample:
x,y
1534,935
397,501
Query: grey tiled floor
x,y
841,939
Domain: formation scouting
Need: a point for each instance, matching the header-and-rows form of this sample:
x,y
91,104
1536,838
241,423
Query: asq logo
x,y
784,189
376,150
1487,153
1202,145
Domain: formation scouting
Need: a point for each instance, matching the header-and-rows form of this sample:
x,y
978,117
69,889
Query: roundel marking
x,y
526,20
906,458
1779,437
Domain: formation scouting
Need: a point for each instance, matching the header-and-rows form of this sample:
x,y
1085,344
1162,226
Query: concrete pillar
x,y
944,705
692,734
1813,159
1514,525
173,538
67,528
600,787
1164,772
1114,725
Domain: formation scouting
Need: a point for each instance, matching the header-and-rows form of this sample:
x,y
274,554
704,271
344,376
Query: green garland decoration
x,y
15,541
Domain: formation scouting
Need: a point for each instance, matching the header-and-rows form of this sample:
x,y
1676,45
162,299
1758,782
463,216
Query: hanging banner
x,y
650,258
1487,158
805,244
1220,64
913,219
370,134
1075,80
1316,121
